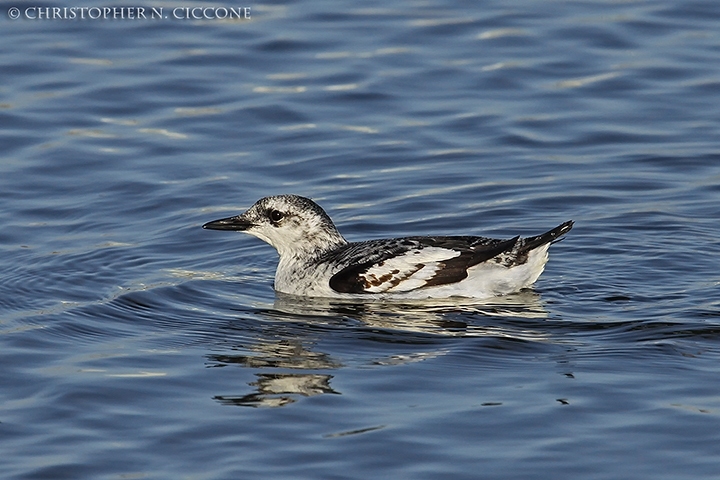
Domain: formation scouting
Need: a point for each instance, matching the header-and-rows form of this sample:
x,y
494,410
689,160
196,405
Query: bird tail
x,y
552,236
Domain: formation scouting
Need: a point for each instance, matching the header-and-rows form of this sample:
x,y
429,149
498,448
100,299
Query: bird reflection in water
x,y
279,389
447,317
296,324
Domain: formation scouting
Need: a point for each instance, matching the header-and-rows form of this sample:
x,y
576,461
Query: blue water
x,y
135,345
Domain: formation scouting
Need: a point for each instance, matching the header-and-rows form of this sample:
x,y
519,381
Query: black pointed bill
x,y
238,223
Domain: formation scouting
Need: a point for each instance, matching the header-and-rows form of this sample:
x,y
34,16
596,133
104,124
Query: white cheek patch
x,y
282,240
406,272
259,232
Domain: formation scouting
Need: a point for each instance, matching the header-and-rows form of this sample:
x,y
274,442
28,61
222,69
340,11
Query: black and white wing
x,y
405,264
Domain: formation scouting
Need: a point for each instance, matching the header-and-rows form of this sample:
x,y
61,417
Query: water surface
x,y
134,344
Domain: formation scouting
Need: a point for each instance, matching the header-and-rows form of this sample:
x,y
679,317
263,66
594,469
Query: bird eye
x,y
276,215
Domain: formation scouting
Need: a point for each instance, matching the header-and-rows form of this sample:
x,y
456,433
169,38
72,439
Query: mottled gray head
x,y
294,225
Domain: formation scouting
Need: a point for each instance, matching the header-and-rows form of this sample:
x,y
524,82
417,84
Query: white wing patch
x,y
406,272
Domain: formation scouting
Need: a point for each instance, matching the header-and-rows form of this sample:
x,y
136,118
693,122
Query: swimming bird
x,y
317,261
